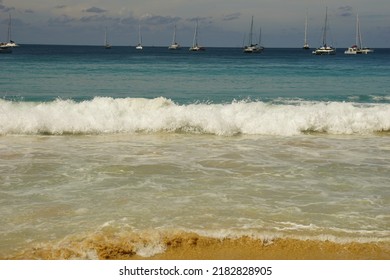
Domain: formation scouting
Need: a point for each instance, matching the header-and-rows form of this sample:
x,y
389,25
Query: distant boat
x,y
251,47
195,46
325,49
106,43
174,45
305,44
139,45
357,48
9,42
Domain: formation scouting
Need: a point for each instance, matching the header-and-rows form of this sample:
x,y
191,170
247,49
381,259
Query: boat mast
x,y
174,35
358,34
251,33
325,26
139,35
260,37
9,29
195,40
305,42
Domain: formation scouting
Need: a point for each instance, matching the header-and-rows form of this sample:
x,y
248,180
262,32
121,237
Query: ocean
x,y
122,153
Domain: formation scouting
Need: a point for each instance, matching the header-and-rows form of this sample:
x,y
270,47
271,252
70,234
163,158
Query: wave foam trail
x,y
135,115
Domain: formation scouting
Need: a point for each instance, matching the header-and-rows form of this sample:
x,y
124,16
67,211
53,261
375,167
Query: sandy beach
x,y
191,246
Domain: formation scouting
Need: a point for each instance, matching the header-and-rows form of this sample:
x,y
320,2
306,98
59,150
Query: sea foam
x,y
104,115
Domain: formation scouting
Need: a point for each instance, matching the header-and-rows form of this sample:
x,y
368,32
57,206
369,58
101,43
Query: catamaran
x,y
174,45
251,47
195,46
357,48
325,49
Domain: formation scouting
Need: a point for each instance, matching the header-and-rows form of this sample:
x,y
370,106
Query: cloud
x,y
60,21
208,20
95,18
4,8
345,11
130,20
95,10
158,20
231,17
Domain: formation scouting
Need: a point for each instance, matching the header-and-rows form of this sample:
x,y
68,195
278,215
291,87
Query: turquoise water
x,y
44,73
278,144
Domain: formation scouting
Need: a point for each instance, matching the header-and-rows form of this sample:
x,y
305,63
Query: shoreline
x,y
191,246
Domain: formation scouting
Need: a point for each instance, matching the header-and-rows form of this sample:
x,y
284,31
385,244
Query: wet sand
x,y
191,246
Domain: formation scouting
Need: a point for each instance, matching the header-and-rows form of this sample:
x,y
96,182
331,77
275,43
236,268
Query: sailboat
x,y
139,45
357,48
174,45
251,47
10,43
195,46
106,43
325,49
305,44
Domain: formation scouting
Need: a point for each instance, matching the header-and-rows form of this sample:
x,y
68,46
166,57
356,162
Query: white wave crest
x,y
134,115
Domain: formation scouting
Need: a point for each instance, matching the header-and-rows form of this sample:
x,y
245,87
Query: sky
x,y
222,23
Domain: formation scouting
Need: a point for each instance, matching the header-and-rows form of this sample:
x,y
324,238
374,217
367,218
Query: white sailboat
x,y
106,43
9,43
174,45
325,49
195,46
305,43
139,45
251,47
357,48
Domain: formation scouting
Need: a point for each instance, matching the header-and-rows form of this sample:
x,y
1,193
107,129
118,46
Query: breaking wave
x,y
191,245
105,115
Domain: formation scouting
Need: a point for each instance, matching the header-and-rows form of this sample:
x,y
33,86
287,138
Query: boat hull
x,y
325,51
253,49
5,49
354,50
197,48
174,47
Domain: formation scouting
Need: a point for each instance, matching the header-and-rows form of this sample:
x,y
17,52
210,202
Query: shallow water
x,y
317,187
